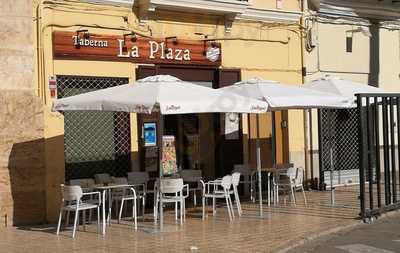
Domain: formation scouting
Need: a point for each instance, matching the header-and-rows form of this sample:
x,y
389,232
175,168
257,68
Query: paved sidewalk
x,y
382,236
282,226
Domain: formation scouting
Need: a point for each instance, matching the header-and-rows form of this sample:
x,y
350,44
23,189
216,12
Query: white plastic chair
x,y
103,178
84,183
247,175
72,201
171,191
292,180
127,193
140,179
87,185
235,184
210,190
193,176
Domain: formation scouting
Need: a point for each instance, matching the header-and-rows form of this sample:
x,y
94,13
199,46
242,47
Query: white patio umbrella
x,y
162,93
341,87
338,86
281,97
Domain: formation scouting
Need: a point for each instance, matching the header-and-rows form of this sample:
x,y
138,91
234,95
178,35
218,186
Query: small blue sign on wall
x,y
150,134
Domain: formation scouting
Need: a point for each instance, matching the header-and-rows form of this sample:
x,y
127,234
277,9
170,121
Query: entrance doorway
x,y
195,140
200,139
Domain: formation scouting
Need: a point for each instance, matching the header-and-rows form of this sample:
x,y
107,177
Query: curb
x,y
336,230
319,235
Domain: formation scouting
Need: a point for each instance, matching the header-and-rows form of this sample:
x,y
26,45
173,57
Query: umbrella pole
x,y
161,169
259,165
273,144
273,151
331,156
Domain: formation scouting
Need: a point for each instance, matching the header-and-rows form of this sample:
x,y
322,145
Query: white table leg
x,y
109,207
161,212
269,188
104,211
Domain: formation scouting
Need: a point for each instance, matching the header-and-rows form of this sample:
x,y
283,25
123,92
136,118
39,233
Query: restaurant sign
x,y
69,45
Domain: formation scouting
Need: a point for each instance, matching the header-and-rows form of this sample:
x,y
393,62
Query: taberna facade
x,y
77,47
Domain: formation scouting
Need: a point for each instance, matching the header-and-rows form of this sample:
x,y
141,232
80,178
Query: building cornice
x,y
360,9
123,3
229,7
270,15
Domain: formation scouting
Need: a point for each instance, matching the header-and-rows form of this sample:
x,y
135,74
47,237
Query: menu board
x,y
169,155
150,134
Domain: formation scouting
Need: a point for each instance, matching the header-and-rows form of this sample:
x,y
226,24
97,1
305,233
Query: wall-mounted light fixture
x,y
204,42
86,35
202,34
131,35
174,40
362,29
85,32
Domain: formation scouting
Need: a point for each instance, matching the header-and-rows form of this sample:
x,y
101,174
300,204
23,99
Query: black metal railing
x,y
379,135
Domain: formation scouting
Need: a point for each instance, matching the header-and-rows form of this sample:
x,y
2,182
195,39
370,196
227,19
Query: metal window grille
x,y
345,146
94,142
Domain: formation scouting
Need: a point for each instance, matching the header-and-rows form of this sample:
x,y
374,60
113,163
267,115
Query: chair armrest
x,y
93,193
143,186
187,190
133,191
207,185
215,182
203,185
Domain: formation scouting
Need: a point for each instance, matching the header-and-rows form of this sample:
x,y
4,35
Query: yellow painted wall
x,y
389,77
330,57
277,57
287,5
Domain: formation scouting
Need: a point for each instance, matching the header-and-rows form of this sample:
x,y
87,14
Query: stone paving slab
x,y
280,227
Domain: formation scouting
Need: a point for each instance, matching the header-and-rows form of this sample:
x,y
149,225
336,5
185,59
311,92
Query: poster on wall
x,y
231,126
169,155
150,134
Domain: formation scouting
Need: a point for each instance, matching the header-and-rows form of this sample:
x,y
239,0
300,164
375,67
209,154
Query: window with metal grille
x,y
94,142
345,141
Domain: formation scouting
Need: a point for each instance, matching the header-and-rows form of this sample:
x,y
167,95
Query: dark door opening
x,y
200,138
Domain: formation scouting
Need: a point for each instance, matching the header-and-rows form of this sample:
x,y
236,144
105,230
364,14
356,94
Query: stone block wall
x,y
22,168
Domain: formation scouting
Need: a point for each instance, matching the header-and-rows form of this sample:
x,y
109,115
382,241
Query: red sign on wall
x,y
69,45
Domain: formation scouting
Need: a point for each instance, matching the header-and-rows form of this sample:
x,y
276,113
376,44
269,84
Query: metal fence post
x,y
362,153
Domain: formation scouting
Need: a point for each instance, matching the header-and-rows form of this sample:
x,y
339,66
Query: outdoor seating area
x,y
282,226
174,185
124,198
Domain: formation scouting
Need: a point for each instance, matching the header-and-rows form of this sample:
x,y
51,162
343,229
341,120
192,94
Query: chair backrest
x,y
120,180
226,182
71,192
242,168
235,178
138,177
299,176
103,178
82,182
291,172
171,185
191,175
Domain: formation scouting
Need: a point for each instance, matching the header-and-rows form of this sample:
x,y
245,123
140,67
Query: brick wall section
x,y
22,170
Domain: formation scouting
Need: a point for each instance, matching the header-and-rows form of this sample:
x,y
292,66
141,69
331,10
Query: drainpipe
x,y
305,112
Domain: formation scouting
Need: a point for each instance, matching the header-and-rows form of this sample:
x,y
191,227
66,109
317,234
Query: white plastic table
x,y
107,189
